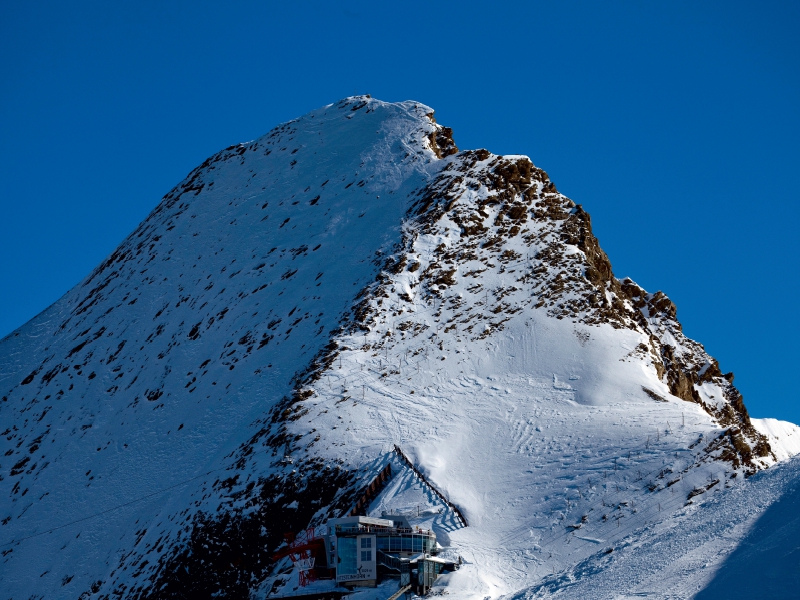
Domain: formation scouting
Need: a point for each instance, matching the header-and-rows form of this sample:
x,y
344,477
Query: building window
x,y
347,556
366,555
366,542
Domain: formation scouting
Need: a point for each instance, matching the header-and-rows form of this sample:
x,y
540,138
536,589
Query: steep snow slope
x,y
742,544
249,356
783,437
153,369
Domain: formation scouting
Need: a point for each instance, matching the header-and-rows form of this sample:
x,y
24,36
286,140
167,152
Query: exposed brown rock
x,y
442,142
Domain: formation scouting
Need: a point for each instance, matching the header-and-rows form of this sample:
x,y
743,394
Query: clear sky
x,y
675,124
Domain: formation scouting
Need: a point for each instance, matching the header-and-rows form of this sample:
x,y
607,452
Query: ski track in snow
x,y
731,547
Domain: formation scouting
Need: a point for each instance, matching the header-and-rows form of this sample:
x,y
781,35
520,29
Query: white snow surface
x,y
743,543
161,364
784,437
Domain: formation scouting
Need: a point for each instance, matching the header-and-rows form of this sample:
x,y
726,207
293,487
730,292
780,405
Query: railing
x,y
424,479
377,529
370,491
391,562
399,592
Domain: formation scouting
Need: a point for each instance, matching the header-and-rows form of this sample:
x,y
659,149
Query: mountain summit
x,y
347,292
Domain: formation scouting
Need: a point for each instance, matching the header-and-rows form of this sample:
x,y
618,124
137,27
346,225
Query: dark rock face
x,y
578,232
442,142
227,553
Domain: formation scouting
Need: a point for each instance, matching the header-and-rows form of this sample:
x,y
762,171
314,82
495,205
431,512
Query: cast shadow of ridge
x,y
766,564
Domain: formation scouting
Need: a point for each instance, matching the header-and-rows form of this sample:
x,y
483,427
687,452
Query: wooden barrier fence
x,y
442,497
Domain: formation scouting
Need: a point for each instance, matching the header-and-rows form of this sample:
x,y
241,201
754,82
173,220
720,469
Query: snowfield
x,y
247,360
784,437
740,544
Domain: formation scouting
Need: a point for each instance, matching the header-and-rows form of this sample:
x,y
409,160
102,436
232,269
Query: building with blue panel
x,y
357,548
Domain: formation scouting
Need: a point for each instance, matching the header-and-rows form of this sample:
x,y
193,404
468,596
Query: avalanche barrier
x,y
423,479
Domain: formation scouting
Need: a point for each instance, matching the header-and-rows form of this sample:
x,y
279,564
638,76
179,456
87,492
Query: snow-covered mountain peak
x,y
154,368
251,354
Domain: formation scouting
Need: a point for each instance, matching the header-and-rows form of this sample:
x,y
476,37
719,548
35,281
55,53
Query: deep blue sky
x,y
674,124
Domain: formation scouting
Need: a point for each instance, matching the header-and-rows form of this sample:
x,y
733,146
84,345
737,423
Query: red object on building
x,y
306,551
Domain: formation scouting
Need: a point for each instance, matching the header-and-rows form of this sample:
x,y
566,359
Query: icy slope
x,y
248,358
